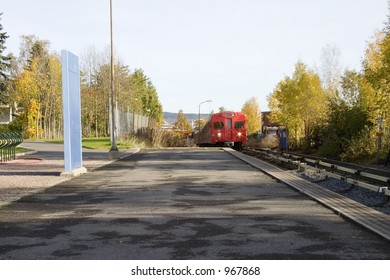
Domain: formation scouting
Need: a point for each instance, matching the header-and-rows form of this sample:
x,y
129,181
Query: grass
x,y
100,143
19,150
104,143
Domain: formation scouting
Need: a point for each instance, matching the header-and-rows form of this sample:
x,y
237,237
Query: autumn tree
x,y
351,131
38,89
299,103
348,119
376,90
199,123
134,92
91,96
253,115
101,92
377,72
182,124
52,99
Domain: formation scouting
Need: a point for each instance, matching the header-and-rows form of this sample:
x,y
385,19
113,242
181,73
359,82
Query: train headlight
x,y
219,134
239,134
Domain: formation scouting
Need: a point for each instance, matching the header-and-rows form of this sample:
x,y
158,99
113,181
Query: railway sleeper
x,y
302,163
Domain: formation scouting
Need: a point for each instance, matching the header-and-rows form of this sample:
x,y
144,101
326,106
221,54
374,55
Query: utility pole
x,y
113,153
199,113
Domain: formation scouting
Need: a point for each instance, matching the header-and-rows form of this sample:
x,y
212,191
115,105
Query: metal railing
x,y
8,143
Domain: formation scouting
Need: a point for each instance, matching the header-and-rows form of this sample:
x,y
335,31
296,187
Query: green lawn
x,y
103,143
100,143
19,150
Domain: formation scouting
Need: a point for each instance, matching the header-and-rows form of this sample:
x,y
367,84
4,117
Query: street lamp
x,y
199,112
114,153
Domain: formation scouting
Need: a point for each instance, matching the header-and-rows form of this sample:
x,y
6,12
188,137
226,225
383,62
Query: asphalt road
x,y
179,204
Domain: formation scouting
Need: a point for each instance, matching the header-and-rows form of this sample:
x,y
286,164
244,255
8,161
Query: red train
x,y
224,128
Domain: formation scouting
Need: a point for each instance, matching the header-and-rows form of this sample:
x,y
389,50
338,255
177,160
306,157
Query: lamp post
x,y
199,112
114,153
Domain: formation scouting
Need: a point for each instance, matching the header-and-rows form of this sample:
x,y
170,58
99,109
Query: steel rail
x,y
301,162
364,171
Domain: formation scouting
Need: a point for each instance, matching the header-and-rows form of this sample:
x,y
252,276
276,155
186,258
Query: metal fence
x,y
127,122
8,143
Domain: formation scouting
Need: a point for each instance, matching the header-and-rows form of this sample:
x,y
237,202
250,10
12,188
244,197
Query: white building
x,y
5,114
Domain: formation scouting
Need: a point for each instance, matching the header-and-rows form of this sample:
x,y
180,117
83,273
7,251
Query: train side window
x,y
239,124
218,125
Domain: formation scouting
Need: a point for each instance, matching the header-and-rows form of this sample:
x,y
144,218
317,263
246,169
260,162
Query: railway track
x,y
368,217
377,180
384,172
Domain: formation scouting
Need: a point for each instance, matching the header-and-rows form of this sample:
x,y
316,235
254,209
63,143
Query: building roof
x,y
265,119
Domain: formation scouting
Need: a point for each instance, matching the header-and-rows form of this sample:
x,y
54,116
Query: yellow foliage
x,y
38,90
299,103
376,85
374,54
253,115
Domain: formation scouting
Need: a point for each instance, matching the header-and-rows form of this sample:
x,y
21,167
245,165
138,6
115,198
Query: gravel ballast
x,y
378,201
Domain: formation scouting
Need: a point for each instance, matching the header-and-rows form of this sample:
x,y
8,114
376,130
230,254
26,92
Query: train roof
x,y
229,114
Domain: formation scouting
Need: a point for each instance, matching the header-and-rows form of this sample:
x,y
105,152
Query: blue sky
x,y
195,50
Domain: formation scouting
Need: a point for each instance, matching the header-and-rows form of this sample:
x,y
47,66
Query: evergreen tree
x,y
5,64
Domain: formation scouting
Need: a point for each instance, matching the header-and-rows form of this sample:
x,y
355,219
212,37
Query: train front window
x,y
218,125
239,125
229,123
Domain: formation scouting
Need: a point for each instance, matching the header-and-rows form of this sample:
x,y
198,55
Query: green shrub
x,y
15,126
361,148
332,146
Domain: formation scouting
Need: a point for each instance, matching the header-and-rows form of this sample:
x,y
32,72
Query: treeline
x,y
344,115
134,92
31,83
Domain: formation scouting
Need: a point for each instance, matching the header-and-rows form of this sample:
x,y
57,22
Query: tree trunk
x,y
37,121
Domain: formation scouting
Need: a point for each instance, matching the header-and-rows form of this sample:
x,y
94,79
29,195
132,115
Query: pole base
x,y
113,154
74,173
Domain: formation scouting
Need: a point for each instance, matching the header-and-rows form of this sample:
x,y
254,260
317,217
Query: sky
x,y
226,51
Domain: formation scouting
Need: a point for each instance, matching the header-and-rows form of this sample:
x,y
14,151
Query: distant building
x,y
265,119
167,126
5,114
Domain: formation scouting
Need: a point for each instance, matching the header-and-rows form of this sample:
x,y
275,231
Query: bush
x,y
332,146
14,126
361,148
132,141
157,138
4,128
